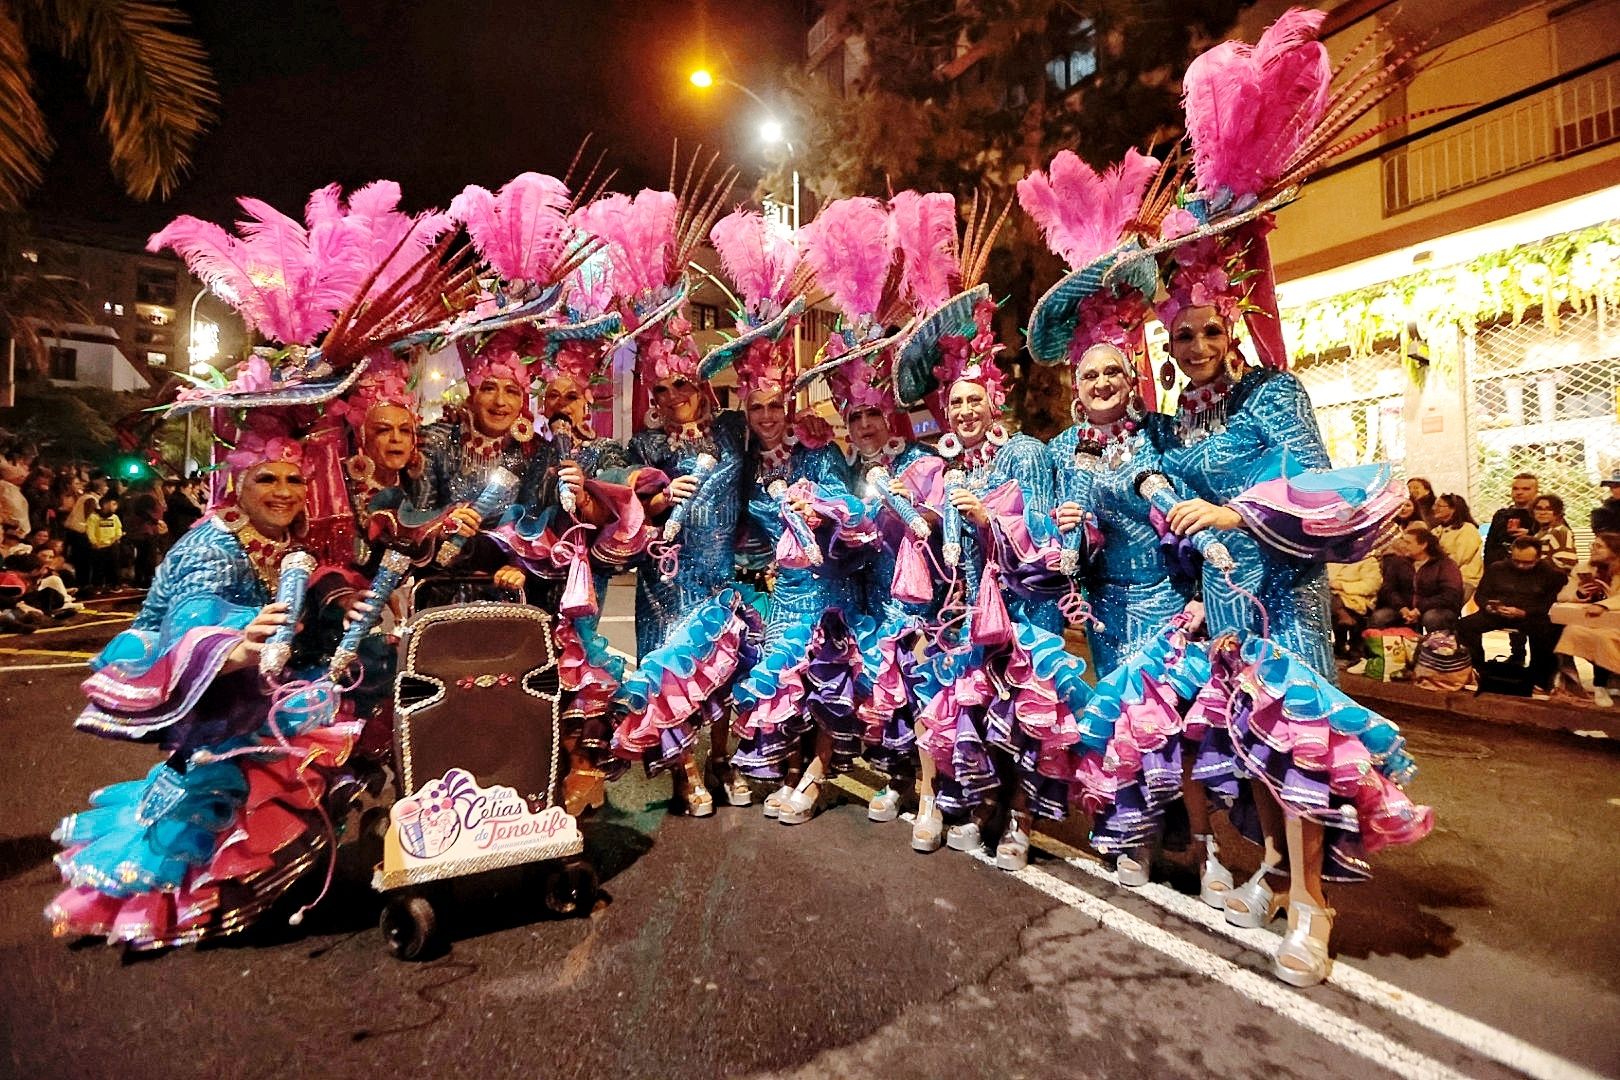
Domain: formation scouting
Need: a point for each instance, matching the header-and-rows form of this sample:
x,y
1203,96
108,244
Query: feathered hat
x,y
953,336
762,261
851,249
387,381
359,274
1086,218
1261,121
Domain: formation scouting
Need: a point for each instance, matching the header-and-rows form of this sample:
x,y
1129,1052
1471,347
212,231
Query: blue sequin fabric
x,y
1267,412
1127,584
455,474
206,561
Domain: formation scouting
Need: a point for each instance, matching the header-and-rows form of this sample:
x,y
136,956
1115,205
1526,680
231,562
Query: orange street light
x,y
702,78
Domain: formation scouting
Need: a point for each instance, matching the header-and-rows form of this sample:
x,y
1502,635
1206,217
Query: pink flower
x,y
1178,222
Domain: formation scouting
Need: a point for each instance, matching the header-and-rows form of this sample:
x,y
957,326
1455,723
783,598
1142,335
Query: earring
x,y
653,416
522,429
1167,374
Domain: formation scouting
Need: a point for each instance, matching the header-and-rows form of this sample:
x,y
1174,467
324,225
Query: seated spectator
x,y
1408,514
104,532
1460,538
40,498
1557,539
1422,587
1606,516
1354,588
1517,594
1589,611
1511,522
1421,493
54,553
45,591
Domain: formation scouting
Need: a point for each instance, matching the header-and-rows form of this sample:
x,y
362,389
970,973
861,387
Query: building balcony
x,y
1550,121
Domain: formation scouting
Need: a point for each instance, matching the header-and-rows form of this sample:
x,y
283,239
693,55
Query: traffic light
x,y
131,468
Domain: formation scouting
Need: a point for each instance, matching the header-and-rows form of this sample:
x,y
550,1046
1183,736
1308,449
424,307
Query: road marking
x,y
1478,1037
82,625
40,667
46,652
616,618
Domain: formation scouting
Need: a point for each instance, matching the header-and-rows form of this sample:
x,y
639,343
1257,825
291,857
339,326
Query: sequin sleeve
x,y
435,486
1027,461
1281,414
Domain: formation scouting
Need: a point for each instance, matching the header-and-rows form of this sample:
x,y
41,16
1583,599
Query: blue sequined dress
x,y
211,838
809,658
691,631
1006,685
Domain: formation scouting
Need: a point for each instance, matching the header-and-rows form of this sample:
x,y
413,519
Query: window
x,y
706,316
157,359
64,363
118,309
1067,72
30,256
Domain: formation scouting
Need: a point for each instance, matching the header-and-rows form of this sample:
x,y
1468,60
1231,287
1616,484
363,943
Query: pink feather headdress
x,y
523,232
290,280
761,259
972,359
640,235
1250,109
849,248
922,227
1084,215
860,384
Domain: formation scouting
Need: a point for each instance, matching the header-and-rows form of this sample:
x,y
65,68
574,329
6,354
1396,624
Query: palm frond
x,y
150,77
24,142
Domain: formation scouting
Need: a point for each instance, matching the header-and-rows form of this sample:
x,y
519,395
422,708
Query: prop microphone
x,y
951,518
1157,490
499,490
389,575
291,588
879,478
565,449
800,528
1087,458
705,467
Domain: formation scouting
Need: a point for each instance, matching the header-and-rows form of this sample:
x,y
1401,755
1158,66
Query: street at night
x,y
733,946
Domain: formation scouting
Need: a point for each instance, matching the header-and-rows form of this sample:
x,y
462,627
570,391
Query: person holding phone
x,y
1589,611
1517,594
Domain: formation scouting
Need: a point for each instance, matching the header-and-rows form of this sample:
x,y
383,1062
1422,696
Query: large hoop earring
x,y
522,429
653,417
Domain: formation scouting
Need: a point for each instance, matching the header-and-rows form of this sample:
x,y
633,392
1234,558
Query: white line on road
x,y
1479,1037
1471,1034
39,667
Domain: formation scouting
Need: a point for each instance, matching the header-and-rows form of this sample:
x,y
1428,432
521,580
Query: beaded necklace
x,y
1202,409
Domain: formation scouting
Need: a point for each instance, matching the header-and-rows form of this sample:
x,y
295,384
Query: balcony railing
x,y
1553,123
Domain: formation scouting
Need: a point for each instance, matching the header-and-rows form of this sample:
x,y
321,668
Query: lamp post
x,y
771,133
202,345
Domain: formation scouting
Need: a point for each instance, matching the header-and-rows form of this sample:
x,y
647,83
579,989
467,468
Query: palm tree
x,y
150,78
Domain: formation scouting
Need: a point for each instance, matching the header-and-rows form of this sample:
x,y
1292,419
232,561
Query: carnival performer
x,y
1325,772
567,529
1148,756
801,688
692,618
1001,726
243,806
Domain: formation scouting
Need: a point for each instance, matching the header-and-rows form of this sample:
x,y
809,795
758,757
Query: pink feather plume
x,y
923,227
1249,108
288,279
1082,214
848,247
640,234
522,232
758,256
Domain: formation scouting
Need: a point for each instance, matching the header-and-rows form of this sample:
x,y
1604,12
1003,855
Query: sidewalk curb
x,y
1490,708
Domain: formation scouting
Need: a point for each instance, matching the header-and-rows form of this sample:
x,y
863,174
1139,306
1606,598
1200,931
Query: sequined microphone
x,y
498,493
1087,458
879,478
1159,493
801,528
389,575
291,587
951,518
565,447
701,471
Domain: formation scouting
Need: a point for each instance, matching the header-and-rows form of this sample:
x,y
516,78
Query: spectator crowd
x,y
1425,606
70,532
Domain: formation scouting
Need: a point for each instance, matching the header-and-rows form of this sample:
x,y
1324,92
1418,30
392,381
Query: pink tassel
x,y
912,582
579,593
992,625
790,554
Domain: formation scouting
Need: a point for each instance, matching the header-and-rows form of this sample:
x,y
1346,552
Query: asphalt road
x,y
734,946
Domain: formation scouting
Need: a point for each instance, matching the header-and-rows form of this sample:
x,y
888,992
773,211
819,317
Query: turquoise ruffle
x,y
690,643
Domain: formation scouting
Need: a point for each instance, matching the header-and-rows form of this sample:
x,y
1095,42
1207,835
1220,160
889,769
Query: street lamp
x,y
201,348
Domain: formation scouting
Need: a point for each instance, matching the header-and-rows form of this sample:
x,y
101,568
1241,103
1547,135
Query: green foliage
x,y
69,423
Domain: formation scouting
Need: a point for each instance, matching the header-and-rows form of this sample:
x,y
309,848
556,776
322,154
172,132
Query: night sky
x,y
435,95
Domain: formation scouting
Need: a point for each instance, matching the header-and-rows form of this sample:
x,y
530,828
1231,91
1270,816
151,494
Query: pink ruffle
x,y
889,692
676,701
592,687
778,709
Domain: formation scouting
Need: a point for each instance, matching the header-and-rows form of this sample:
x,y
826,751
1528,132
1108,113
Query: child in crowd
x,y
105,532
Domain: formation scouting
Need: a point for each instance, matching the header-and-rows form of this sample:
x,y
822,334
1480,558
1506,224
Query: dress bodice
x,y
207,561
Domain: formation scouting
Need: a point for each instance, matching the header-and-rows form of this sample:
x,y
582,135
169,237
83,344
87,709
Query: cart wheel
x,y
409,926
571,888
